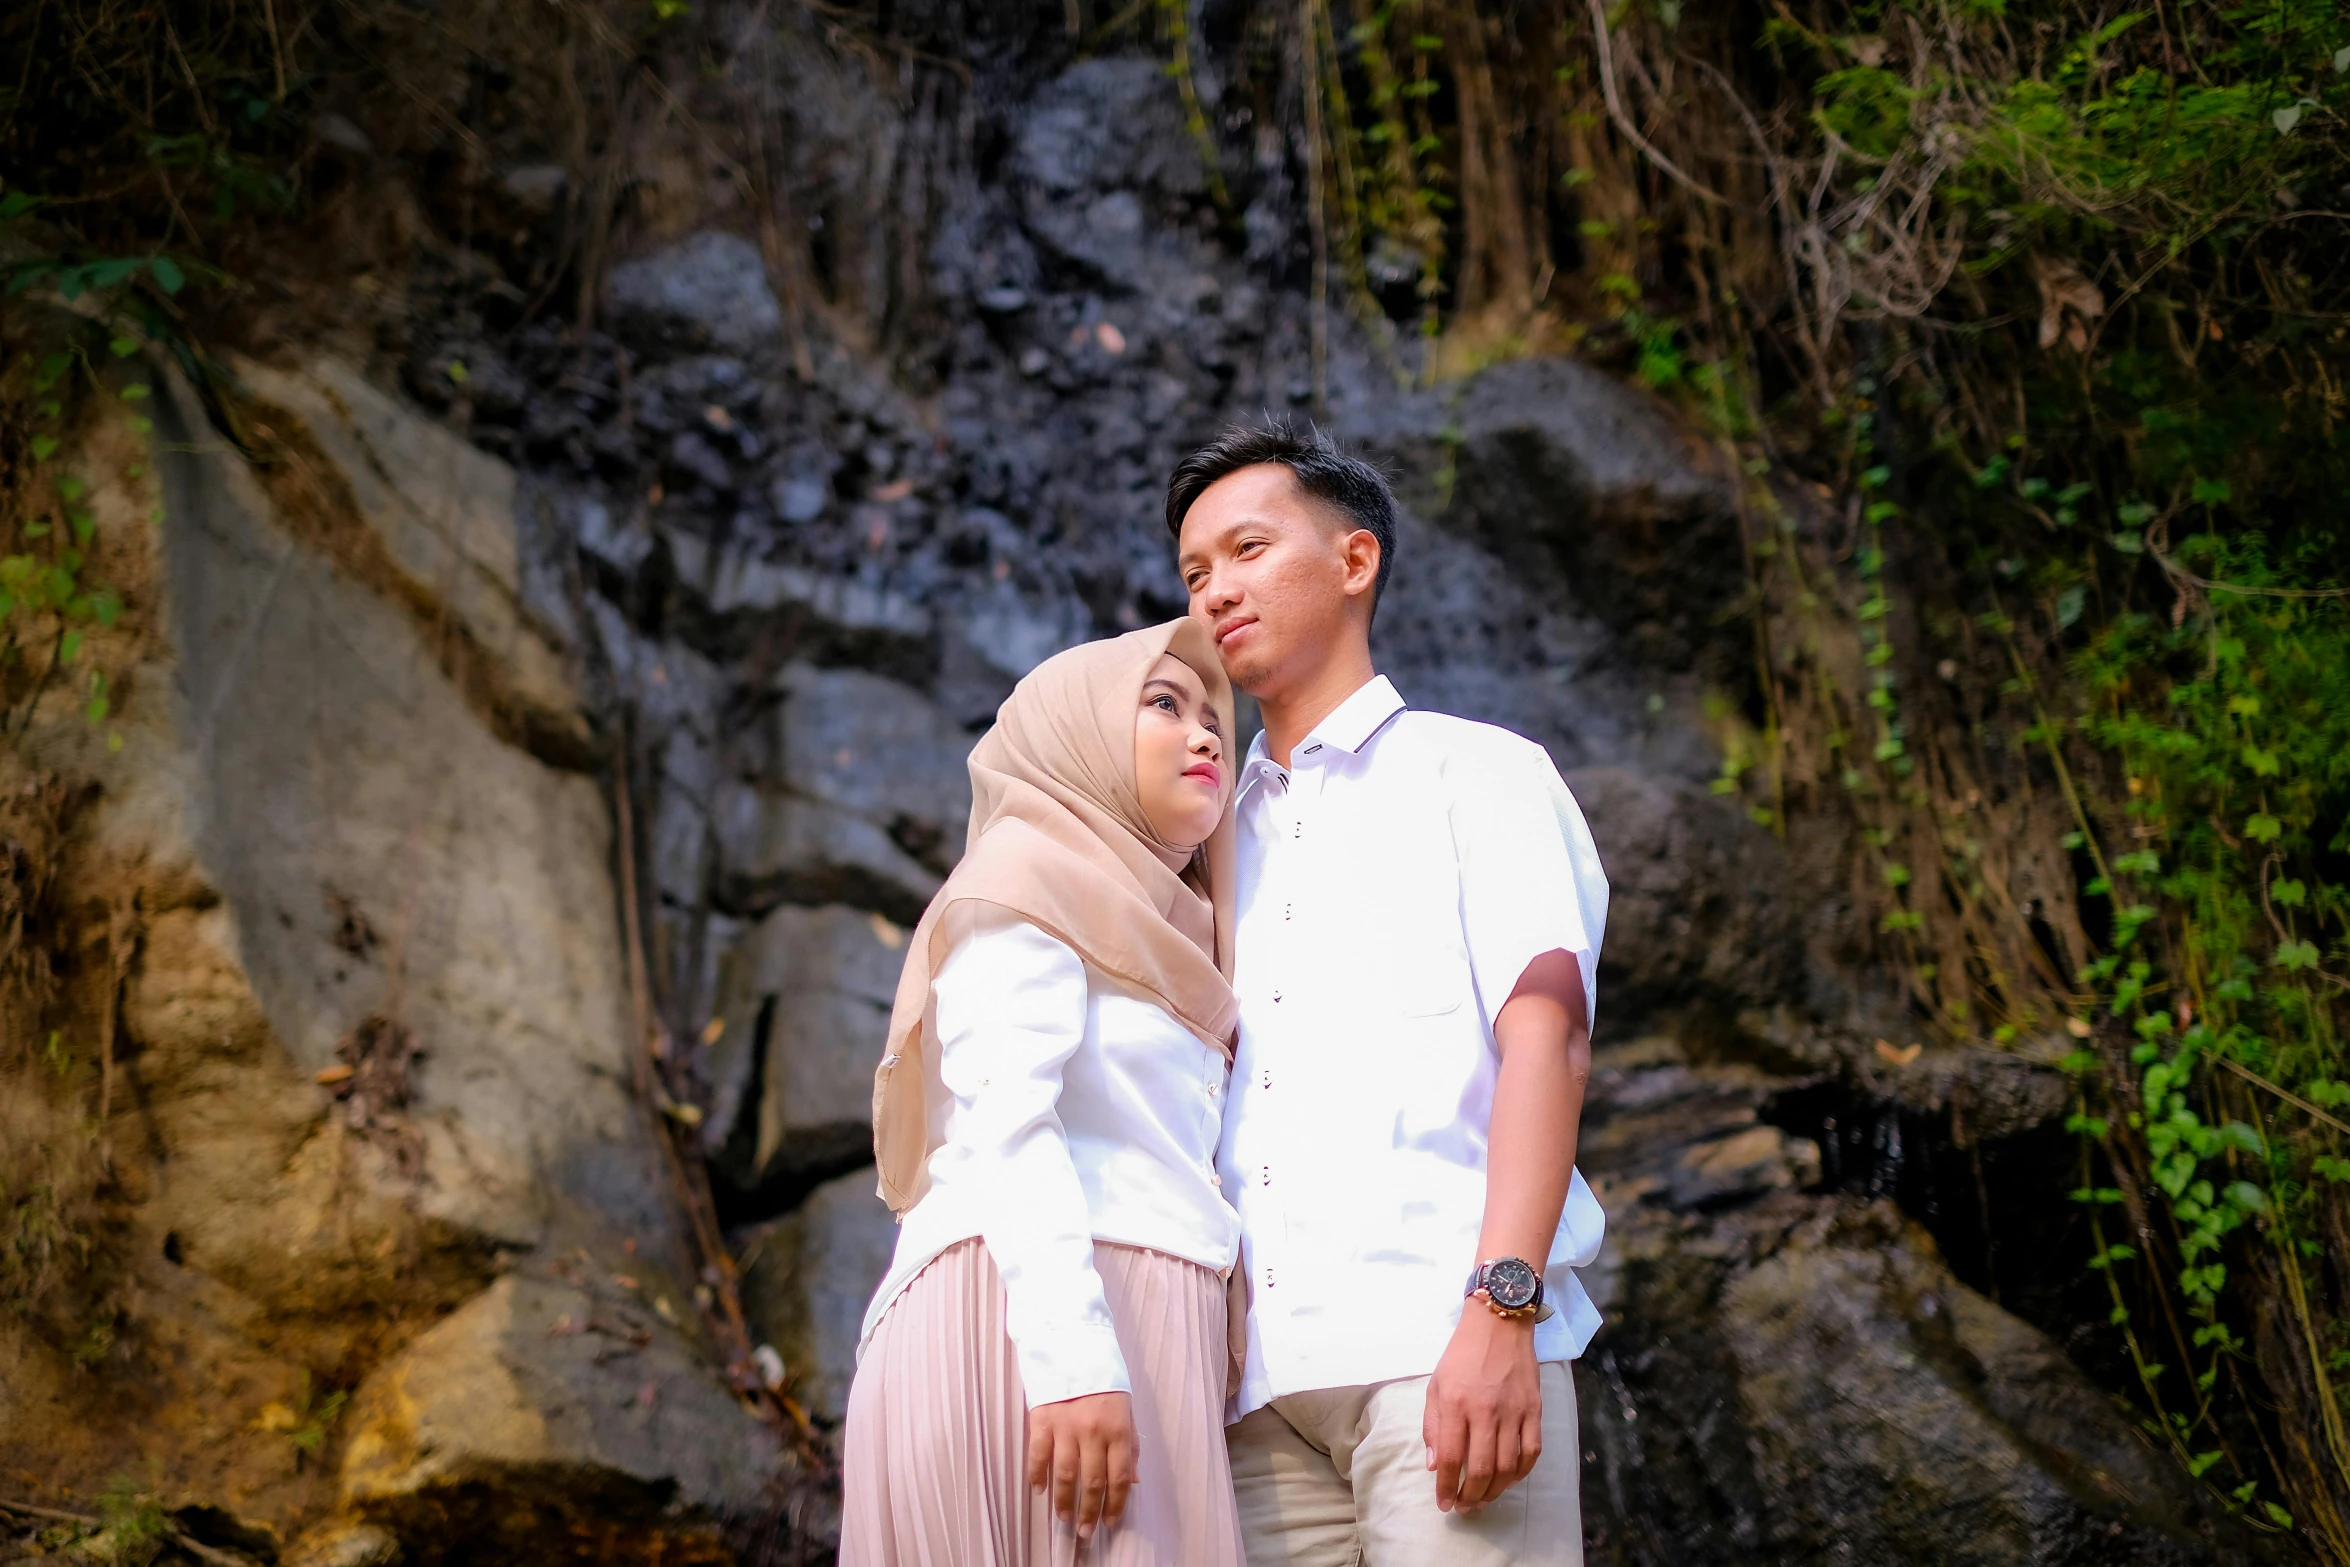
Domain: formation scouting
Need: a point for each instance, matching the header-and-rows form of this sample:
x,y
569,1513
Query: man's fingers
x,y
1477,1467
1530,1444
1452,1440
1506,1458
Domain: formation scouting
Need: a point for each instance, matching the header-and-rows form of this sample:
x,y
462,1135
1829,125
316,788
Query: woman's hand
x,y
1084,1449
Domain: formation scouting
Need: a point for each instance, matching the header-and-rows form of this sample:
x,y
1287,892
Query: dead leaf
x,y
1111,339
895,490
717,418
2068,303
2078,1027
328,1076
888,932
712,1030
1898,1055
275,1416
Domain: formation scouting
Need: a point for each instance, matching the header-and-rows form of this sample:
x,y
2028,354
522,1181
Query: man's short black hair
x,y
1354,487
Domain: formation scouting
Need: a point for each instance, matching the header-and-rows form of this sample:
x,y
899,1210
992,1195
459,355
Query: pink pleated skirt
x,y
935,1457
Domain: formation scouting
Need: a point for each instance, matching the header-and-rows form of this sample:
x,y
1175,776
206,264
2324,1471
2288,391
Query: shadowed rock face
x,y
797,601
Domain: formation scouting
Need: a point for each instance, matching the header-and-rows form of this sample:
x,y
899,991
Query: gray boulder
x,y
862,796
708,290
807,1280
545,1396
804,1001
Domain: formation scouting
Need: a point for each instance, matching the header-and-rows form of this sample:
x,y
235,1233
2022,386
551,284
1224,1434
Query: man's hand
x,y
1483,1424
1084,1450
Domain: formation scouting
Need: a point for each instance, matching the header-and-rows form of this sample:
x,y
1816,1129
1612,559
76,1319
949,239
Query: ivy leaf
x,y
2288,894
2293,955
2286,119
2068,607
69,647
44,447
2263,828
2262,763
166,274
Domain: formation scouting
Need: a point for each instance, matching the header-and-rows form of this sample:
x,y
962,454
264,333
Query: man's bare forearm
x,y
1537,1108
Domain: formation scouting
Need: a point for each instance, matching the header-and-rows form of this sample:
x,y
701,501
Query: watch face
x,y
1511,1283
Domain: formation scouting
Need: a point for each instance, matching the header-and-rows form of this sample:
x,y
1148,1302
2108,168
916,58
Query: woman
x,y
1043,1371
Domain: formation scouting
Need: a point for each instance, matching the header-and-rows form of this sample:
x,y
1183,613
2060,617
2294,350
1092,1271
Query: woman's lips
x,y
1206,772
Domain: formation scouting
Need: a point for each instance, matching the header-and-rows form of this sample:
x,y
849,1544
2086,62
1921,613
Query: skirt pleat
x,y
935,1454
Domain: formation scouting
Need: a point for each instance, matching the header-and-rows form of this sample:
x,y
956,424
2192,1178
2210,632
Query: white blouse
x,y
1078,1110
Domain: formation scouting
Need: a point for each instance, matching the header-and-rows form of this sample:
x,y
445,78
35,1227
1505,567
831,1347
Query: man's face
x,y
1274,575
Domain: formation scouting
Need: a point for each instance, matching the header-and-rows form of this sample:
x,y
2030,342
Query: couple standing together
x,y
1225,1089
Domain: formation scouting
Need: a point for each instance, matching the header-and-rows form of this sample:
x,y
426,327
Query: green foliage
x,y
2140,305
313,1416
134,1522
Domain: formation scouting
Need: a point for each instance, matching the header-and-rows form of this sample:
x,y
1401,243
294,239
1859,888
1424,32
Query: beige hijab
x,y
1058,837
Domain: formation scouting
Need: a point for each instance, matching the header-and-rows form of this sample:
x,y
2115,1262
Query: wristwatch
x,y
1511,1286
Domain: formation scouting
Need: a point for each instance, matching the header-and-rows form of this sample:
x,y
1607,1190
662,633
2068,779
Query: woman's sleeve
x,y
1011,1011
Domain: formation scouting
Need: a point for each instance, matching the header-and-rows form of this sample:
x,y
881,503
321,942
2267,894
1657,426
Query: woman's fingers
x,y
1093,1485
1040,1453
1068,1468
1122,1468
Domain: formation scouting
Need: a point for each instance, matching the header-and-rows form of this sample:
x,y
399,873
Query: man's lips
x,y
1232,628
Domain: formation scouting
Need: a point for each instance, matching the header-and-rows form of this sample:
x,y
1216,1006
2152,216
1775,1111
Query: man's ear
x,y
1361,550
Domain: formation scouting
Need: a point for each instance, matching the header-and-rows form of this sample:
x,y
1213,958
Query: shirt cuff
x,y
1077,1359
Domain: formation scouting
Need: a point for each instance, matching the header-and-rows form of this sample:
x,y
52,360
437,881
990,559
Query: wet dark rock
x,y
1562,471
709,290
1700,905
1791,1375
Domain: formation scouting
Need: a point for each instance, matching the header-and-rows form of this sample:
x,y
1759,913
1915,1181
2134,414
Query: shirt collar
x,y
1348,727
1352,722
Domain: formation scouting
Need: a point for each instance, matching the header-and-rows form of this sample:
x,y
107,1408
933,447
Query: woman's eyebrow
x,y
1163,683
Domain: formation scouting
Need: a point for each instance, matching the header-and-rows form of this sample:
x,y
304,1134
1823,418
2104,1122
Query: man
x,y
1419,917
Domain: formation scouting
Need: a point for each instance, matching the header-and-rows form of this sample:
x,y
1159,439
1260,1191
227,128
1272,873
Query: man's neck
x,y
1292,715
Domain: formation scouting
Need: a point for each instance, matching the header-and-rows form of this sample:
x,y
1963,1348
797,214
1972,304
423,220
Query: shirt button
x,y
1276,995
1215,1180
1268,1077
1214,1089
1268,1175
1268,1278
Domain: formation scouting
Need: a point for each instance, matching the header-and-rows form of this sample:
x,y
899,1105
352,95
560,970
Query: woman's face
x,y
1179,766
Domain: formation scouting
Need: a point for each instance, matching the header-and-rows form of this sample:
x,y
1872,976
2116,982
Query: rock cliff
x,y
378,1131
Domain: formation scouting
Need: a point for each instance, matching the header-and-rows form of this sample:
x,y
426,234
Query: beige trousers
x,y
1340,1478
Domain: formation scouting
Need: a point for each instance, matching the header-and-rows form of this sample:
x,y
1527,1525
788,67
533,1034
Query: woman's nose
x,y
1205,742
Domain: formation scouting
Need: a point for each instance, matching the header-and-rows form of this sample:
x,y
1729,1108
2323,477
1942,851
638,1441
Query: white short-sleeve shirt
x,y
1394,882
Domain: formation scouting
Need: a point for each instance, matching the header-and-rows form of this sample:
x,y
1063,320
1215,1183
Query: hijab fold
x,y
1059,838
